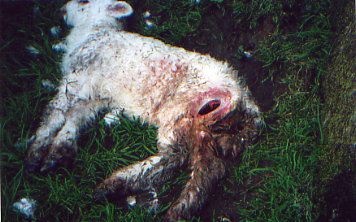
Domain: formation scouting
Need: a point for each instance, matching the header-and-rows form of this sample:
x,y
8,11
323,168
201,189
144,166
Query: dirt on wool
x,y
219,36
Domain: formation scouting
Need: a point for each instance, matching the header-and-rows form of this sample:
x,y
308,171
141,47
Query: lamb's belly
x,y
132,97
133,104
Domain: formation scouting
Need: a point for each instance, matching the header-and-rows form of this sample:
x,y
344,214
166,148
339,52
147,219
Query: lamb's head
x,y
84,12
226,120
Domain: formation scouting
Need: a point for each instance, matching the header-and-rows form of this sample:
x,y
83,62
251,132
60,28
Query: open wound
x,y
209,107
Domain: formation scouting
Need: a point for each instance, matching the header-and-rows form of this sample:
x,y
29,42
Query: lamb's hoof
x,y
48,166
62,155
171,217
34,157
177,212
110,189
100,195
31,166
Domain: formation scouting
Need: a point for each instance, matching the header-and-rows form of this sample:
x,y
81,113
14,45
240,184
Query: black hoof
x,y
100,195
48,166
60,156
31,167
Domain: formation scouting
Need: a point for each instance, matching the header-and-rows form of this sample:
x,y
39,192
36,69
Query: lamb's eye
x,y
209,107
83,2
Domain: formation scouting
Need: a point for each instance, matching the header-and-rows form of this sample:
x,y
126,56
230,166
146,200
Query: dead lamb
x,y
203,111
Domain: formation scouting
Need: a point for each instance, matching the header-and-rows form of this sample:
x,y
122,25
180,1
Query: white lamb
x,y
203,112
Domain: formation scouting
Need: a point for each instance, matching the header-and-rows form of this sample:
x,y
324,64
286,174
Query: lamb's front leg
x,y
207,169
64,147
55,138
54,119
140,176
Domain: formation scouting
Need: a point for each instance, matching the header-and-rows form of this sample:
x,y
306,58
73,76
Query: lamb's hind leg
x,y
64,147
140,176
207,169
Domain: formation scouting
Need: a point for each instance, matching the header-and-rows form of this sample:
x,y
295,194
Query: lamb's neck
x,y
81,33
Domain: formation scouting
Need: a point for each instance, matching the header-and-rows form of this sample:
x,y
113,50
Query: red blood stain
x,y
117,8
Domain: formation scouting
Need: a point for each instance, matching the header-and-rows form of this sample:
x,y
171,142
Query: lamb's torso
x,y
141,75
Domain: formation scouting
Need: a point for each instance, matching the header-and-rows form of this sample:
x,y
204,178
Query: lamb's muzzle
x,y
203,112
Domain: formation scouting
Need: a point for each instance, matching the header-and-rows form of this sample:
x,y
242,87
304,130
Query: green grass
x,y
288,156
173,20
277,178
66,195
249,13
290,152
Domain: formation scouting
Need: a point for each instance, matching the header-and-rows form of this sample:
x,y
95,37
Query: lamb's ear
x,y
120,9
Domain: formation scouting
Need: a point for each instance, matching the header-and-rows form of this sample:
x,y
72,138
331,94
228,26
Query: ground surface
x,y
278,179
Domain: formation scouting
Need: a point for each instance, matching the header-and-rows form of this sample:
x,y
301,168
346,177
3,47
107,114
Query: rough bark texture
x,y
337,169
